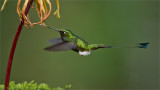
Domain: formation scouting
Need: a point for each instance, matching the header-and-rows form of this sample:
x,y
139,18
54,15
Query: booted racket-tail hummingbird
x,y
70,41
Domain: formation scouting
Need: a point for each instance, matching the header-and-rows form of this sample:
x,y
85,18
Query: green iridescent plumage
x,y
77,44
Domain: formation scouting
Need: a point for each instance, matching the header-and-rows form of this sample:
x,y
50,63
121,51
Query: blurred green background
x,y
113,22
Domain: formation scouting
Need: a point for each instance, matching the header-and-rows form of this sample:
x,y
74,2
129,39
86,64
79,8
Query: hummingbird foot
x,y
84,53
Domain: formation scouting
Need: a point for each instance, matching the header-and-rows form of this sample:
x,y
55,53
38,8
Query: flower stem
x,y
14,46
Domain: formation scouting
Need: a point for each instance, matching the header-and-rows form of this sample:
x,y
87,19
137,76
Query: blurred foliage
x,y
32,86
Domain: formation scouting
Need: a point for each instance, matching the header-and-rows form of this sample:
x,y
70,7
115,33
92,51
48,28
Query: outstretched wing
x,y
60,45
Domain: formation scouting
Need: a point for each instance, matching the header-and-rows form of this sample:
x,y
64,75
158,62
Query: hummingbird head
x,y
66,33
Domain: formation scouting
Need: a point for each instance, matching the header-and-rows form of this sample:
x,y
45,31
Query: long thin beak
x,y
52,28
49,27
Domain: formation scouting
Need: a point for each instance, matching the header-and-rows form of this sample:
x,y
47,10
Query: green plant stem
x,y
14,46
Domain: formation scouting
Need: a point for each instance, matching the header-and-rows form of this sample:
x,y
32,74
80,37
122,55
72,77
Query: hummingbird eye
x,y
62,32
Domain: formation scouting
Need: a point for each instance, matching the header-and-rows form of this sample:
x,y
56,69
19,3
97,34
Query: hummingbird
x,y
70,41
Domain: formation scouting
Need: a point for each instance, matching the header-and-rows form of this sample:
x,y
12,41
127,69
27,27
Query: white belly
x,y
84,53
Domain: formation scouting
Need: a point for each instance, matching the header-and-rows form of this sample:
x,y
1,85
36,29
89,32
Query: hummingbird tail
x,y
138,45
104,46
142,45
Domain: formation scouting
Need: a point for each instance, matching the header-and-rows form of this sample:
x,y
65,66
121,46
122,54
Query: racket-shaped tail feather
x,y
143,45
138,45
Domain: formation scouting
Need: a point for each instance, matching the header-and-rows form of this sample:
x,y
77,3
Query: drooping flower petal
x,y
5,1
18,9
24,6
38,8
57,11
41,8
45,7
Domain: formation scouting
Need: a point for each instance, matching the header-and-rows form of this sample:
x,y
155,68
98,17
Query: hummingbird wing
x,y
55,41
60,45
